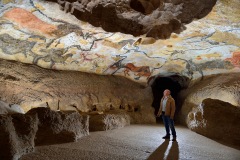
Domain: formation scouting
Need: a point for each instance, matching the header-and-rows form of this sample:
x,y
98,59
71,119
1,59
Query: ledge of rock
x,y
216,119
108,121
6,108
224,87
58,127
17,133
65,90
155,18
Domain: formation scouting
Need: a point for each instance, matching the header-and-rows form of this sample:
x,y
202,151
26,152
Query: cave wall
x,y
211,107
225,87
31,86
61,41
42,33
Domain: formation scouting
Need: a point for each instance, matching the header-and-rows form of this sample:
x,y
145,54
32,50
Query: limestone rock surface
x,y
6,108
17,133
155,18
60,41
58,127
217,120
224,87
108,121
64,90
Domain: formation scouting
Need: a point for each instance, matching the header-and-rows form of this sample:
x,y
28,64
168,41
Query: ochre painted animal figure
x,y
235,60
139,71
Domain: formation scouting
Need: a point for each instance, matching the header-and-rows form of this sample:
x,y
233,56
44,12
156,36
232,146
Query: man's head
x,y
166,92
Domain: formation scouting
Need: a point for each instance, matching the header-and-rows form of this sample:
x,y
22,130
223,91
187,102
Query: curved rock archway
x,y
174,83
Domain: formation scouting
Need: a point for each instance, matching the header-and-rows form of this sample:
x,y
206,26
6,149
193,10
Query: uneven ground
x,y
137,142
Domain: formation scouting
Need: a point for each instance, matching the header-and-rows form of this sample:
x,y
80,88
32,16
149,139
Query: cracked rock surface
x,y
155,18
104,122
58,127
215,116
31,86
17,133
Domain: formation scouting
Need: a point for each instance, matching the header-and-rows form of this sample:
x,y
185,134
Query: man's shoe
x,y
174,138
166,137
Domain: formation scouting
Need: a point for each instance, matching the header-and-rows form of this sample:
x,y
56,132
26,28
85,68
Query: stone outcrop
x,y
108,121
217,120
17,133
58,127
224,87
6,108
34,86
155,18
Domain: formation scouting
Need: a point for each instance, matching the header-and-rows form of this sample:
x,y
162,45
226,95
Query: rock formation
x,y
155,18
224,87
197,40
17,133
6,108
57,127
60,41
108,121
33,87
217,120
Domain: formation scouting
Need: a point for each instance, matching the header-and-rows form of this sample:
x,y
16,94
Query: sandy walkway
x,y
137,142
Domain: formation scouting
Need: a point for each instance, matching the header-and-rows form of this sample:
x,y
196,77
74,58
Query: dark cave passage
x,y
174,83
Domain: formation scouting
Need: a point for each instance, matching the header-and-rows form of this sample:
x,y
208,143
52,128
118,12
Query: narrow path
x,y
137,142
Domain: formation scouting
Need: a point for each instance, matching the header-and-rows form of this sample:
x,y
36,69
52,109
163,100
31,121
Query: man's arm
x,y
160,109
173,108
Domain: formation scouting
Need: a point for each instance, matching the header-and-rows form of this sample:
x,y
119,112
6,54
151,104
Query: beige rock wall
x,y
17,133
217,120
224,87
10,108
31,86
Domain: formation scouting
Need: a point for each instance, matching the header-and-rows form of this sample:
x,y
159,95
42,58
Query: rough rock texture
x,y
58,127
224,87
60,41
33,87
108,121
17,133
10,108
216,119
155,18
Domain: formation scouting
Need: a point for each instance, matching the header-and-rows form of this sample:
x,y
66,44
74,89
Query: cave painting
x,y
58,40
26,19
141,71
235,60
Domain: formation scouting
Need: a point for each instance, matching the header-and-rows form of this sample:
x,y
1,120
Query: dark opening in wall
x,y
137,6
145,6
174,83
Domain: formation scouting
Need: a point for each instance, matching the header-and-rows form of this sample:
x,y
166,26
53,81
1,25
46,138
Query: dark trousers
x,y
169,124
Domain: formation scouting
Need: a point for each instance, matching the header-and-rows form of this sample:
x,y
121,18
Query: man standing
x,y
167,110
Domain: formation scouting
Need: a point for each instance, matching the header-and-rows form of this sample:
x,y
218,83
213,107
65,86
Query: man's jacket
x,y
170,107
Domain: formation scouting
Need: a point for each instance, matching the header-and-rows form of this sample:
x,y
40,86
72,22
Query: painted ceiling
x,y
40,33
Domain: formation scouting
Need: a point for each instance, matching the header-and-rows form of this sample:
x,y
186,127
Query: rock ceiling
x,y
155,18
57,36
